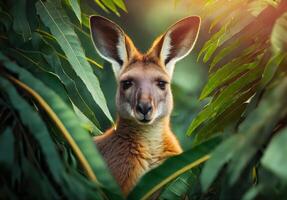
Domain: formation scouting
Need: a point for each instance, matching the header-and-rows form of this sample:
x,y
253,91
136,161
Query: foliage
x,y
47,85
51,103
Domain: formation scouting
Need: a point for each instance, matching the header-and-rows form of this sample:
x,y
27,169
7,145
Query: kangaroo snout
x,y
144,111
144,105
144,108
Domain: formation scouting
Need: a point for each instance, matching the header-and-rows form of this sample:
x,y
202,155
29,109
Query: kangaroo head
x,y
144,92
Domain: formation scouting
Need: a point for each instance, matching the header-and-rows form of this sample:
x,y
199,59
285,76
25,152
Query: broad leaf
x,y
7,148
70,122
55,18
37,127
180,186
76,7
274,158
271,68
229,95
20,23
257,128
219,157
172,168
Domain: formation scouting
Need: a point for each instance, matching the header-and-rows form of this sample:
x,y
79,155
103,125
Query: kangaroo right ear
x,y
111,42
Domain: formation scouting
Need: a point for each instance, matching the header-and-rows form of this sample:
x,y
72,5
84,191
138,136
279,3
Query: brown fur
x,y
141,138
130,151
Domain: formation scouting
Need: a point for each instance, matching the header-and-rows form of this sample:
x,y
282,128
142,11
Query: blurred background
x,y
145,21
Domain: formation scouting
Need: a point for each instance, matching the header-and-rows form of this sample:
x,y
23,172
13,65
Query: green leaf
x,y
120,4
210,51
224,52
36,126
56,19
247,55
179,187
110,4
274,158
76,8
257,128
35,63
6,19
99,3
36,180
268,187
241,147
172,168
271,68
213,40
20,22
278,36
225,73
219,157
229,95
70,121
74,90
226,119
7,148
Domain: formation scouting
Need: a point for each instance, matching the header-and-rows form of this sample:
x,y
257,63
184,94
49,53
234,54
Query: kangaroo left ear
x,y
177,42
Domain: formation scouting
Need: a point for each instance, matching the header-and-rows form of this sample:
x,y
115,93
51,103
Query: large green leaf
x,y
36,65
54,17
210,46
271,68
42,60
274,158
172,168
257,128
226,119
180,186
7,148
228,96
221,76
254,132
219,157
70,121
224,52
20,23
235,67
68,77
36,126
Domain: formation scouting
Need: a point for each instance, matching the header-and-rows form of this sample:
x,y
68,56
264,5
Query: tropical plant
x,y
51,104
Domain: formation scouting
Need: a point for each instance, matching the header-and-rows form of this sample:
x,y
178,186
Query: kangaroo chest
x,y
130,156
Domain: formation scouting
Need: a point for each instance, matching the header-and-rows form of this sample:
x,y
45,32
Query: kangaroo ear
x,y
177,42
110,42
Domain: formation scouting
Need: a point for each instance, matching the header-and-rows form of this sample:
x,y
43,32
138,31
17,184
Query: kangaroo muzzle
x,y
144,107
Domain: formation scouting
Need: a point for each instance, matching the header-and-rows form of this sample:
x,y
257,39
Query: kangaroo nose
x,y
144,108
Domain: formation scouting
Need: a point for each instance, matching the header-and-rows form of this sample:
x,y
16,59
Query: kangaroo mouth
x,y
143,119
146,121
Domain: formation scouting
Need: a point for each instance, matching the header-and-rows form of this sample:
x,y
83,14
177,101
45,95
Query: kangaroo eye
x,y
161,84
126,84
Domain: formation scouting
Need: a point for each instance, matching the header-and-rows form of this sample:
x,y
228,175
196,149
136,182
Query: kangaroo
x,y
142,137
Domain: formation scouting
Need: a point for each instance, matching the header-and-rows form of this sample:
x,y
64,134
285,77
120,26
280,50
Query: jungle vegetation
x,y
53,99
